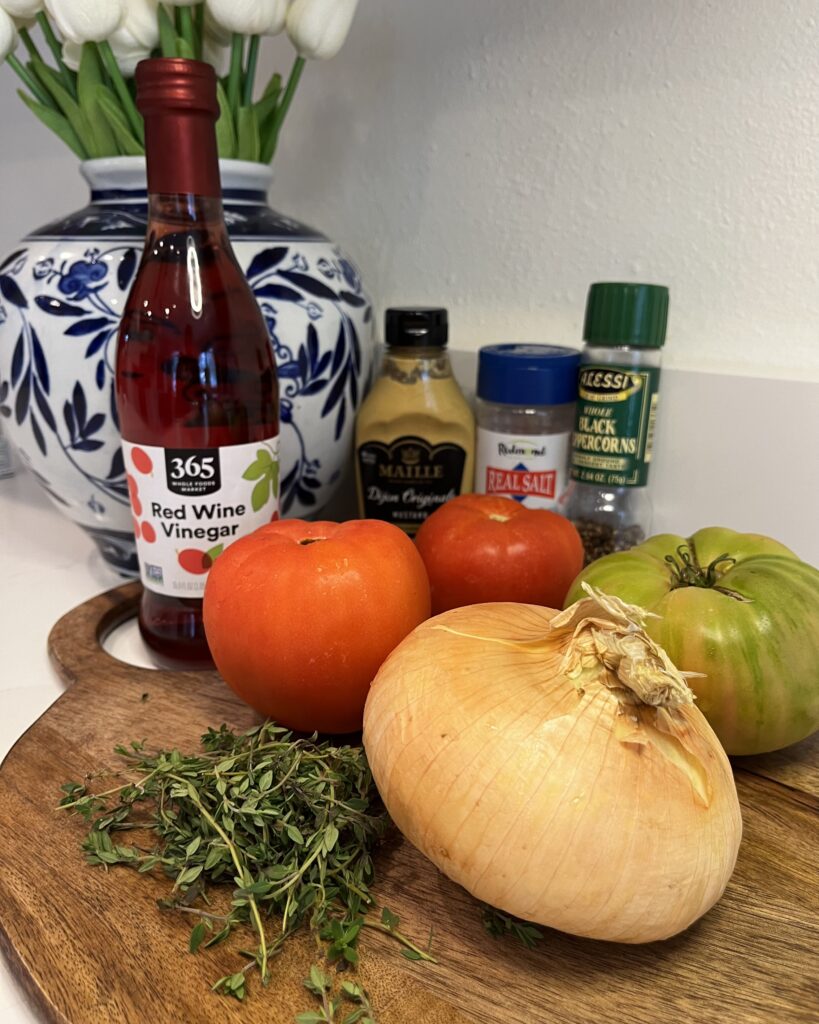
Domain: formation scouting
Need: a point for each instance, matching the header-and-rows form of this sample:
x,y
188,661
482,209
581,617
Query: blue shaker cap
x,y
527,375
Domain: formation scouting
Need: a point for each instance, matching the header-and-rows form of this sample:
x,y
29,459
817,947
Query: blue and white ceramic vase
x,y
61,296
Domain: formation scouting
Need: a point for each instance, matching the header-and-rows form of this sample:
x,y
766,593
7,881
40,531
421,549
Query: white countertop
x,y
47,567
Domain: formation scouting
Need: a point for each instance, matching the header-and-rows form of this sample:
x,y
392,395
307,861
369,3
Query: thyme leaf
x,y
499,924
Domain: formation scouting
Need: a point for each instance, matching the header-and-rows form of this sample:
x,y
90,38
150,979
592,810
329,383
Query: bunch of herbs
x,y
290,823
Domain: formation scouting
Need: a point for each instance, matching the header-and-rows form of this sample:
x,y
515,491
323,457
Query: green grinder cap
x,y
626,314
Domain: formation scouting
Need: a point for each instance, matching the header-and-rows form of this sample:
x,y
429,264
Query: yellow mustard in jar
x,y
415,432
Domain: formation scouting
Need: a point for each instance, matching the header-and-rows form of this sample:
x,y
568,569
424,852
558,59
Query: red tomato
x,y
479,547
299,616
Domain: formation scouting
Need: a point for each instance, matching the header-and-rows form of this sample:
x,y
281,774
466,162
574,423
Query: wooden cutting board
x,y
91,947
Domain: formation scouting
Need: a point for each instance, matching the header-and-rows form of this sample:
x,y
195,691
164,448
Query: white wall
x,y
496,156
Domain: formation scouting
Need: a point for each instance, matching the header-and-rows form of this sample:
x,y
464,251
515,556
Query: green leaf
x,y
113,114
64,100
215,855
319,980
256,468
189,875
295,835
56,123
310,1017
330,838
213,553
411,954
225,127
218,937
266,107
193,846
274,479
261,494
184,49
249,142
389,919
266,781
197,935
103,141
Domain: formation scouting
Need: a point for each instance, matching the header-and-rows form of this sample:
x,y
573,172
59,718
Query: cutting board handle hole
x,y
123,642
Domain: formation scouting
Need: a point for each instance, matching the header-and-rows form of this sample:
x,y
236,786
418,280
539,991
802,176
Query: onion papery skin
x,y
554,805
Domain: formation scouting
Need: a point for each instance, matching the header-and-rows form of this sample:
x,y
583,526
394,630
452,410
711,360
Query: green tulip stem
x,y
250,73
199,29
56,48
186,27
167,32
29,44
125,98
235,75
281,111
30,82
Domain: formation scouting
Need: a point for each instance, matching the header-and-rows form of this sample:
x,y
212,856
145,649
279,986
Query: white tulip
x,y
8,35
318,28
249,17
132,42
141,24
86,21
72,55
25,10
215,53
129,54
137,36
216,33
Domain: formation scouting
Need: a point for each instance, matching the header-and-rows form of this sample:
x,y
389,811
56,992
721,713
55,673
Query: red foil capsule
x,y
177,98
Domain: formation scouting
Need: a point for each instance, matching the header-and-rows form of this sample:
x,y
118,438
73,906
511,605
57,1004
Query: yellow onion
x,y
554,764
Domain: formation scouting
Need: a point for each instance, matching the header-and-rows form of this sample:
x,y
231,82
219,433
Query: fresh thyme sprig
x,y
291,823
321,985
499,925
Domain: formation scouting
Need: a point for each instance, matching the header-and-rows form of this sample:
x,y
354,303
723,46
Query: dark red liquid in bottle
x,y
195,368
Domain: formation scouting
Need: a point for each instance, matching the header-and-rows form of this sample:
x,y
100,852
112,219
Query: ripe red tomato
x,y
299,616
479,547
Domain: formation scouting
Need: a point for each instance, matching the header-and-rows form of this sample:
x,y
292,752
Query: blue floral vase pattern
x,y
61,295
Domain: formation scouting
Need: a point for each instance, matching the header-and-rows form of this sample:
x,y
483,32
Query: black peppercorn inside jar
x,y
618,392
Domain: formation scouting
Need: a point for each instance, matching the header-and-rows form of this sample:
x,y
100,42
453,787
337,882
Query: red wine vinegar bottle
x,y
197,393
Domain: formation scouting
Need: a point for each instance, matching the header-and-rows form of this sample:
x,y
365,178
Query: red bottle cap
x,y
177,98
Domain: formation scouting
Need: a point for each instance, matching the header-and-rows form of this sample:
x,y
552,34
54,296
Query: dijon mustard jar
x,y
415,433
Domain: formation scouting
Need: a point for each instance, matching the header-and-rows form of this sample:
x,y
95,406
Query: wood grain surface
x,y
91,946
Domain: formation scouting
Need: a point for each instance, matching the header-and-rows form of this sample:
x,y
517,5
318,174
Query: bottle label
x,y
190,503
614,427
405,481
533,470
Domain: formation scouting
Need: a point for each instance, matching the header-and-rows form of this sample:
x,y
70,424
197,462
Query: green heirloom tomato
x,y
742,610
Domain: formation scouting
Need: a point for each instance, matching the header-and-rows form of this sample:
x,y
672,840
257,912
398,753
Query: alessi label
x,y
190,503
404,481
614,427
533,470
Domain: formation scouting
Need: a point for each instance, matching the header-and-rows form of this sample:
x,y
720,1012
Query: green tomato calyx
x,y
686,570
